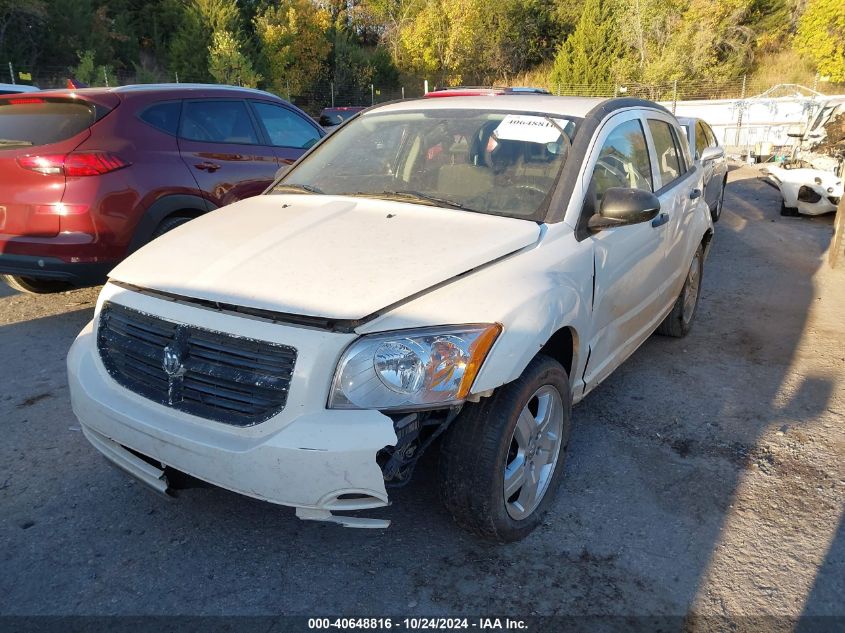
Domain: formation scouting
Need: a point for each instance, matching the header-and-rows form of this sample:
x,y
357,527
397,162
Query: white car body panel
x,y
325,256
344,258
790,181
306,456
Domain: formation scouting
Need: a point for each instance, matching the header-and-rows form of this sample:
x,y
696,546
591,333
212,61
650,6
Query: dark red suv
x,y
87,176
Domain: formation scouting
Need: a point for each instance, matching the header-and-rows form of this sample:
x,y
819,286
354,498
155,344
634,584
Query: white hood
x,y
323,256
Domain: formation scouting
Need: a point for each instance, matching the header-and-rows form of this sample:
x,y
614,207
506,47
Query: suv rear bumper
x,y
313,463
78,274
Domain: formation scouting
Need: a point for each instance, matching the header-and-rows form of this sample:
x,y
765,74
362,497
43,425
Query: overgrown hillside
x,y
300,46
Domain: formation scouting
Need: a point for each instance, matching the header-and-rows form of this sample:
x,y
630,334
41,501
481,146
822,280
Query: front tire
x,y
502,459
716,212
34,286
788,212
678,322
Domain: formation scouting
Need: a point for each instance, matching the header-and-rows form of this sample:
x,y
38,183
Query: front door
x,y
629,268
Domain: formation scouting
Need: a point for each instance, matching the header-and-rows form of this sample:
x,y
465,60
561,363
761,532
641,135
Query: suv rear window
x,y
31,121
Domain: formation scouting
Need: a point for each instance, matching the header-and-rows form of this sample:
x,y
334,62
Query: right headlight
x,y
411,369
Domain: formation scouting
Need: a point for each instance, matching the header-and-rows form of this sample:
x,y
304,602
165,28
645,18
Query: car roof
x,y
548,104
19,88
162,89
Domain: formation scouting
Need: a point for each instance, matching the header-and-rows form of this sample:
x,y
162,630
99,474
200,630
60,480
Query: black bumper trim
x,y
84,274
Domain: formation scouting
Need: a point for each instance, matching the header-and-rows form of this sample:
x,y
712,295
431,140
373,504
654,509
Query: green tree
x,y
589,55
292,39
227,64
87,71
22,30
446,41
198,21
707,40
821,37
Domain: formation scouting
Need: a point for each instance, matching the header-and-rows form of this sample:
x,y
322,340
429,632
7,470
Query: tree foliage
x,y
821,37
227,64
296,46
590,54
292,36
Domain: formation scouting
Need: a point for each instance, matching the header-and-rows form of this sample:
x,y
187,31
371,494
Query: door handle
x,y
209,167
695,193
660,220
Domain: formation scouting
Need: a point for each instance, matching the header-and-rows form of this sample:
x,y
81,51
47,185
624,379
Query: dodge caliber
x,y
440,276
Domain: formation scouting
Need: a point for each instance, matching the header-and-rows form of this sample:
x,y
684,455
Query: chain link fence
x,y
325,93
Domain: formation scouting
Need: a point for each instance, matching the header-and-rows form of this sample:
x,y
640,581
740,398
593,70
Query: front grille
x,y
217,376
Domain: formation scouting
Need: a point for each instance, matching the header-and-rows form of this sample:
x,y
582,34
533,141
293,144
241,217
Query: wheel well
x,y
561,347
185,213
705,241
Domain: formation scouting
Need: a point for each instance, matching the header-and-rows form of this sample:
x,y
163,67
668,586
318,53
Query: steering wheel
x,y
516,195
613,169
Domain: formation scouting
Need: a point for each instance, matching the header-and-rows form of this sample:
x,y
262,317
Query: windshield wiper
x,y
415,195
298,187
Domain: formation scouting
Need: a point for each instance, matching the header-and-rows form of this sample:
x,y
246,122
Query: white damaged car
x,y
448,274
804,190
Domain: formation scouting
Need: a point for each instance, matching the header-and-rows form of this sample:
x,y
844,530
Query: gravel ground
x,y
706,478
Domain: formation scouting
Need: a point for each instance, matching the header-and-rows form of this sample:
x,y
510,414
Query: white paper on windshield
x,y
533,129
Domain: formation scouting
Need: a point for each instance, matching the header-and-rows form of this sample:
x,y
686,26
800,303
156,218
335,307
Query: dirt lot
x,y
706,477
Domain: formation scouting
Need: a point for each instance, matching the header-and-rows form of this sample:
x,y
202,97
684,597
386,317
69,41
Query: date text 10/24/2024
x,y
418,624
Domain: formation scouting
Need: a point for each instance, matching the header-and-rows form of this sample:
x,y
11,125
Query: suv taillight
x,y
74,164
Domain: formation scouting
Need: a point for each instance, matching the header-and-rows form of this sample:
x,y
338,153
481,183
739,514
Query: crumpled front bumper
x,y
319,462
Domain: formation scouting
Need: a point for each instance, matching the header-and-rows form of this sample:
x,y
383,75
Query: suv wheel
x,y
168,224
679,321
502,459
35,286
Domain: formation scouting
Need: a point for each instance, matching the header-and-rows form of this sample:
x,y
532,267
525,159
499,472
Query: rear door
x,y
678,185
702,143
714,170
225,150
289,132
35,135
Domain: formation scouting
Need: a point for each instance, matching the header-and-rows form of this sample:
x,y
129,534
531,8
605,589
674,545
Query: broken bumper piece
x,y
318,463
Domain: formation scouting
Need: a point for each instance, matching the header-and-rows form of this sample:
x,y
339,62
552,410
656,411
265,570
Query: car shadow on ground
x,y
657,456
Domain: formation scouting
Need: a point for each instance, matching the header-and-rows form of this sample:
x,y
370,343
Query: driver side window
x,y
623,162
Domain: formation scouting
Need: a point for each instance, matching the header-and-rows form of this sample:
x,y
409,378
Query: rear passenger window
x,y
286,128
682,145
701,141
669,162
163,116
711,137
217,122
623,161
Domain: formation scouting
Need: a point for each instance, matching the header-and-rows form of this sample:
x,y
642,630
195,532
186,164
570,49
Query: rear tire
x,y
34,286
515,439
678,322
168,224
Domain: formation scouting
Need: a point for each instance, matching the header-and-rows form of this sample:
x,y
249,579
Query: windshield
x,y
490,162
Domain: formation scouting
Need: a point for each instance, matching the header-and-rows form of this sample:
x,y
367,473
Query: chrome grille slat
x,y
218,376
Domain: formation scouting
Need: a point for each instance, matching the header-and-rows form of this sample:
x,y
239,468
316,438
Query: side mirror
x,y
712,153
621,206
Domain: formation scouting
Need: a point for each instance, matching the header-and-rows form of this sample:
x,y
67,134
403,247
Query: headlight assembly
x,y
411,369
